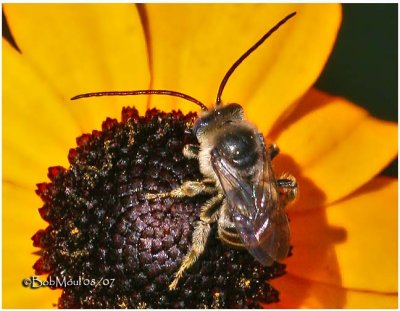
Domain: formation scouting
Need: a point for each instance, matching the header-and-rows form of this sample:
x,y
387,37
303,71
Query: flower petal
x,y
82,48
297,292
38,129
352,243
20,221
193,51
334,147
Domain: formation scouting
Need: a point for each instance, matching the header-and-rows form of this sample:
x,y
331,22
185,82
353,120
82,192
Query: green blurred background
x,y
363,64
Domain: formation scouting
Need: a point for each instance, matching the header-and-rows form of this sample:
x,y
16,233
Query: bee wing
x,y
255,209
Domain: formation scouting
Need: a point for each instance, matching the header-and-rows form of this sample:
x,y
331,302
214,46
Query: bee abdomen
x,y
230,237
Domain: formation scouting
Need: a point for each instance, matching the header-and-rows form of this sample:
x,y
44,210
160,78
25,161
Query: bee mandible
x,y
248,201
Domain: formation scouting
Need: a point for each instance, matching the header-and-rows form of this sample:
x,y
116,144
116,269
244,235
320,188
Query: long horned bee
x,y
248,201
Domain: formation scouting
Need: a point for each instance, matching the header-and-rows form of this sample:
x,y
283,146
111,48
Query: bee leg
x,y
273,150
199,240
287,187
209,214
188,189
191,151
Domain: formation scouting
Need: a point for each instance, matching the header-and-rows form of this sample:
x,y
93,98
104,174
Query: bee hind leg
x,y
287,187
199,240
210,210
209,214
188,189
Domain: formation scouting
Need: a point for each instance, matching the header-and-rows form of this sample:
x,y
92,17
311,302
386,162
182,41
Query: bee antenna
x,y
244,56
144,92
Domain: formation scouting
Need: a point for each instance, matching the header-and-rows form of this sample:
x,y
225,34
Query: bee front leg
x,y
191,151
287,187
188,189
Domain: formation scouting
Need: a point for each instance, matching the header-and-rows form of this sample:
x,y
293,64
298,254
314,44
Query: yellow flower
x,y
344,224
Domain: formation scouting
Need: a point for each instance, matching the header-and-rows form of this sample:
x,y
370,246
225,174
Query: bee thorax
x,y
238,145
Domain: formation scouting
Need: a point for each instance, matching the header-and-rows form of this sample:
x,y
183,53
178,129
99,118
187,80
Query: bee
x,y
248,201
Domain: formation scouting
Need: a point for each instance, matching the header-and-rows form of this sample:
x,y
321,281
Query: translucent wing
x,y
254,206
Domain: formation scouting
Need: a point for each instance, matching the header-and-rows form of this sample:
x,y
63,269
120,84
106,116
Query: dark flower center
x,y
104,232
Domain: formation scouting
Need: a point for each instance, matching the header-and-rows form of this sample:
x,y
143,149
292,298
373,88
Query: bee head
x,y
217,117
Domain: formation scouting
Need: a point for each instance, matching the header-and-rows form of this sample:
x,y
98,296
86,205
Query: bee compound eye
x,y
199,126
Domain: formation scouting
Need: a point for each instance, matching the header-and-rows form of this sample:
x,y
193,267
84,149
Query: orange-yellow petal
x,y
298,292
38,128
198,44
352,243
82,48
332,147
20,221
